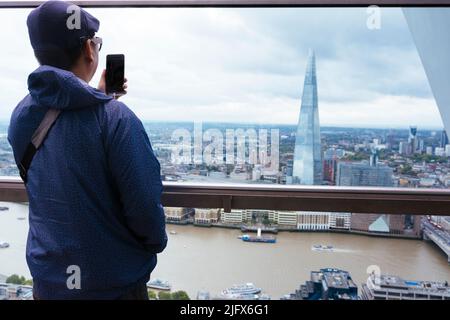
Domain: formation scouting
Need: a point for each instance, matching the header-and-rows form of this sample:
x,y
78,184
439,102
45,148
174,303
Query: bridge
x,y
440,237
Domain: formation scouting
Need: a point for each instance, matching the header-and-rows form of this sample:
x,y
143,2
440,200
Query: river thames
x,y
212,259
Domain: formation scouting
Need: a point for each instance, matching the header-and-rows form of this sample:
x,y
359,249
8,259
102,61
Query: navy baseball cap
x,y
59,26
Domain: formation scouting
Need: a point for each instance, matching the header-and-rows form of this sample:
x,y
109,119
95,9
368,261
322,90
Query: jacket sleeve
x,y
136,172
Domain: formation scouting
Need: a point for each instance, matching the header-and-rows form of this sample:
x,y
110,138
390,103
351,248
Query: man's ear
x,y
88,51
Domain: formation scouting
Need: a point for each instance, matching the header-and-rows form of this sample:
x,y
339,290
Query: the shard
x,y
307,167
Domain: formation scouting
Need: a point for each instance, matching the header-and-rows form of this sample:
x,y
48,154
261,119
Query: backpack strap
x,y
36,141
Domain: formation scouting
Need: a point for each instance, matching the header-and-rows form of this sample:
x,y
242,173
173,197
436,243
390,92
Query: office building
x,y
361,174
326,284
385,287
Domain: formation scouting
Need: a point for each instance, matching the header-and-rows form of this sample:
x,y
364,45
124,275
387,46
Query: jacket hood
x,y
60,89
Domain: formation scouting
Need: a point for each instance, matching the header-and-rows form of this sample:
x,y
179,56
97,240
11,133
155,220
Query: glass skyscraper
x,y
307,168
362,174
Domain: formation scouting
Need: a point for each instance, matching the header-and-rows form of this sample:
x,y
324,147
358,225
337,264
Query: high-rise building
x,y
413,145
444,139
390,140
404,148
412,139
447,150
326,284
373,158
330,160
329,170
440,152
361,174
374,175
287,171
416,145
307,167
421,146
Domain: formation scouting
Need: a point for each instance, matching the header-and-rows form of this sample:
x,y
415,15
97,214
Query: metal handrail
x,y
284,197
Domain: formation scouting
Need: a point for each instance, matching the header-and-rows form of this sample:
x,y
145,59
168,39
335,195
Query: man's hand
x,y
102,86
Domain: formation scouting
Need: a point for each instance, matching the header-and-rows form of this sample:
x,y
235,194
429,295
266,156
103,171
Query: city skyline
x,y
246,64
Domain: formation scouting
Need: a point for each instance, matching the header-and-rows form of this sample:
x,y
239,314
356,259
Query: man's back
x,y
94,189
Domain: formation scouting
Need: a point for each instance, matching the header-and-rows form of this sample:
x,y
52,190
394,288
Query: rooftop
x,y
388,281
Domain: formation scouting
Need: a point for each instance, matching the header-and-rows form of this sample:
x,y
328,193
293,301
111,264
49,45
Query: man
x,y
94,185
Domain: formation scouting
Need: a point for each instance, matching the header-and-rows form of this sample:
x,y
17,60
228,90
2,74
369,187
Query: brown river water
x,y
213,259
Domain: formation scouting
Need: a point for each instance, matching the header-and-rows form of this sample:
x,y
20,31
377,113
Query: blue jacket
x,y
94,190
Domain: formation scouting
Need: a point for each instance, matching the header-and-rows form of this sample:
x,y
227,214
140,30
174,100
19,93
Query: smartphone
x,y
115,73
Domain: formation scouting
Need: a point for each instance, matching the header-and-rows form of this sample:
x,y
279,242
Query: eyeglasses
x,y
96,40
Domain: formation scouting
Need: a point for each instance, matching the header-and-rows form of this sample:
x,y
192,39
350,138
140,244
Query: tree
x,y
29,282
407,169
151,294
180,295
15,279
383,154
164,295
358,156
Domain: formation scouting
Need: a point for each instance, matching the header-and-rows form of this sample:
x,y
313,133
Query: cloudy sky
x,y
248,64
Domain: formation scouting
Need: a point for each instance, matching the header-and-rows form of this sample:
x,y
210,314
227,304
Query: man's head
x,y
62,35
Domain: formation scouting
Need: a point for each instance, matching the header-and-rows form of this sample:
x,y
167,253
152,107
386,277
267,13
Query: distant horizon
x,y
247,123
